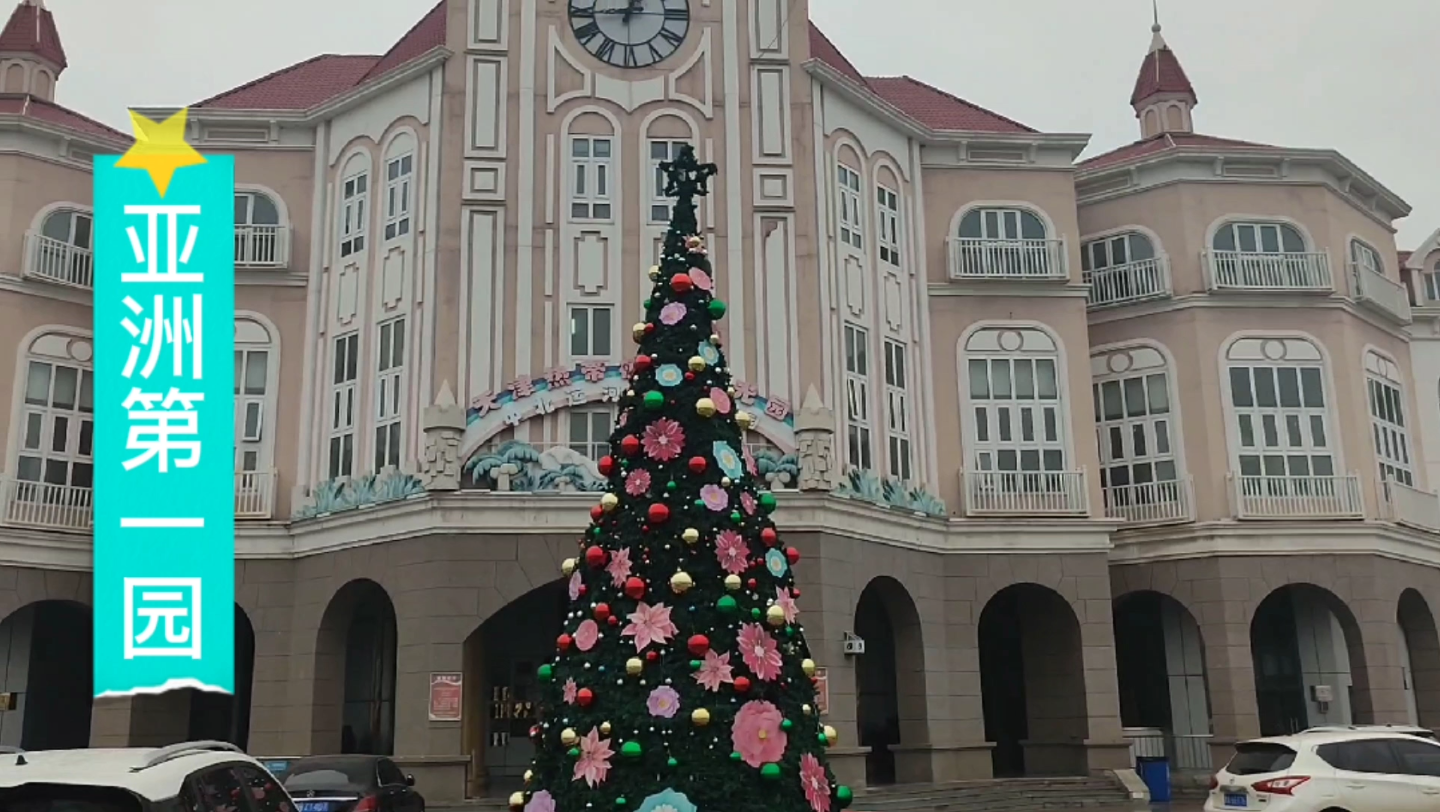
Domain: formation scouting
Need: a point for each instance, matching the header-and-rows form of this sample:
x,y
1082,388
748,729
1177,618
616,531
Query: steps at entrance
x,y
997,795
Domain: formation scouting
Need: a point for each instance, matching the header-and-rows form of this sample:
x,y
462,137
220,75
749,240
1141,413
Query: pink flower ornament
x,y
663,702
757,735
586,635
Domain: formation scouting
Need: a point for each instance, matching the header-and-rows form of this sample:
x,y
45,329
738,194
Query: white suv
x,y
202,776
1352,769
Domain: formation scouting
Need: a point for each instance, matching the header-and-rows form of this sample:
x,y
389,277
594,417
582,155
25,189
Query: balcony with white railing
x,y
40,504
1025,493
1408,506
1297,497
58,262
1151,503
1007,260
1189,752
1301,272
1132,282
254,494
260,246
1381,293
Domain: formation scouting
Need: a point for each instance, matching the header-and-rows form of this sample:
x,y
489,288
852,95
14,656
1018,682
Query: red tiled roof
x,y
26,106
823,49
31,29
1163,142
939,110
317,80
1161,73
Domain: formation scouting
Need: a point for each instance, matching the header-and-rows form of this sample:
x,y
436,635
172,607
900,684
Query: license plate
x,y
313,806
1231,799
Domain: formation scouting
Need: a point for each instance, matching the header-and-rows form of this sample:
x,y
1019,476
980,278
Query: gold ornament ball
x,y
568,737
654,272
691,535
725,480
805,709
608,502
732,582
681,582
633,666
517,800
637,332
604,728
700,717
831,735
567,566
808,666
705,407
629,393
745,420
697,363
529,776
775,616
730,390
715,339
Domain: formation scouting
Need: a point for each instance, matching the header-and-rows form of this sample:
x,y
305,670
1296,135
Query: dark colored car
x,y
350,784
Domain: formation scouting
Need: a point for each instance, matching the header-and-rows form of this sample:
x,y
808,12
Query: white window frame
x,y
899,448
391,393
588,429
1011,432
1258,229
253,405
1115,251
45,471
399,192
1271,439
586,343
659,208
849,221
1385,396
1137,427
1366,257
592,178
1431,284
354,215
859,429
342,412
1002,224
251,197
887,221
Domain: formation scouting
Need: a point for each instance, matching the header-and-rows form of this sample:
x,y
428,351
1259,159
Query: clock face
x,y
630,33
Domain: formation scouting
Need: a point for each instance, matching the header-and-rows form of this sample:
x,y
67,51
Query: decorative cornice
x,y
1243,301
1233,538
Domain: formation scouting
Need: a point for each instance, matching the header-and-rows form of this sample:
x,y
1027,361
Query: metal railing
x,y
1007,259
58,262
1132,282
1025,493
1296,271
1381,293
1151,502
1297,497
1405,505
254,494
1189,752
262,246
40,504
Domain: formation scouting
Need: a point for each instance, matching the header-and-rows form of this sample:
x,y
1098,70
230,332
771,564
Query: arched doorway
x,y
47,651
501,693
1032,683
1160,668
226,717
890,705
354,700
1420,657
1309,663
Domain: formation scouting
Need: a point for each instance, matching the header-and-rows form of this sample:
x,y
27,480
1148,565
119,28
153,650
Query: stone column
x,y
444,425
815,444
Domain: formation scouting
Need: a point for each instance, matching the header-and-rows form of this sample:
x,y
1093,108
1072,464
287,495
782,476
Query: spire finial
x,y
1157,42
1155,10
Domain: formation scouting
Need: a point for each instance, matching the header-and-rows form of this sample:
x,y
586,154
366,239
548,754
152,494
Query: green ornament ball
x,y
717,309
822,738
654,400
755,614
786,724
630,749
726,605
671,762
770,771
695,665
734,514
699,503
735,756
767,501
573,752
544,672
620,801
844,795
670,486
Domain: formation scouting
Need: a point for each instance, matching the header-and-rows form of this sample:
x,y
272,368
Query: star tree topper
x,y
160,148
685,177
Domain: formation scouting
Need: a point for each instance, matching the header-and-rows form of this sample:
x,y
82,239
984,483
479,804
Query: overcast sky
x,y
1355,75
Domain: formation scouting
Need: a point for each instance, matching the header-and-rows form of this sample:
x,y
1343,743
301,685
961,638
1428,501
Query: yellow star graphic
x,y
160,148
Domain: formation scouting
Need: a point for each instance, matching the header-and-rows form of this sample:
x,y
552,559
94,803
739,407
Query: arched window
x,y
55,433
255,371
849,219
257,230
1004,242
399,185
1121,268
1137,435
1432,285
665,134
1366,258
592,168
1388,426
1280,408
61,252
1258,255
354,204
1247,237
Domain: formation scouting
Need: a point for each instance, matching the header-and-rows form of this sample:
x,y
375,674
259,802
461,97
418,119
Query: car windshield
x,y
67,798
352,774
1252,758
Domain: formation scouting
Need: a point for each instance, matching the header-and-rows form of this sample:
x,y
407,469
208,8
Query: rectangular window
x,y
857,397
590,332
1432,286
660,152
1135,429
590,171
887,210
1392,438
344,374
897,411
847,202
1017,414
590,431
389,393
57,434
252,370
1281,421
353,217
399,174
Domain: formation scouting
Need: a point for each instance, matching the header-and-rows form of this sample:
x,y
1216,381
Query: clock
x,y
630,33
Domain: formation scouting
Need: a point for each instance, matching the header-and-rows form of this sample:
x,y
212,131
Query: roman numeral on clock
x,y
672,37
587,32
606,50
582,11
672,13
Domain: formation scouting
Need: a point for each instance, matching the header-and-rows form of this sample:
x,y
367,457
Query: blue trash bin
x,y
1155,772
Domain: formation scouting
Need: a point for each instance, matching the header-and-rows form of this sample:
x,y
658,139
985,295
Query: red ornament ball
x,y
650,327
697,465
794,591
630,445
596,512
658,513
535,732
689,376
742,685
595,557
751,583
584,589
769,536
792,554
602,611
564,641
642,362
612,620
652,655
607,465
634,588
698,644
584,696
681,282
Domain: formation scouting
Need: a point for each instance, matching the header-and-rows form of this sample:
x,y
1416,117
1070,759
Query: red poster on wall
x,y
445,697
822,692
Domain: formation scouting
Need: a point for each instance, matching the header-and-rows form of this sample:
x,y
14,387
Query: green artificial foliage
x,y
682,681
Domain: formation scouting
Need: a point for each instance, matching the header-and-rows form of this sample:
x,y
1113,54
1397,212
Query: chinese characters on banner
x,y
164,428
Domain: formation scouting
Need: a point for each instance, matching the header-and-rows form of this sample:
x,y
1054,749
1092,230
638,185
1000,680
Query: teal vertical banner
x,y
164,429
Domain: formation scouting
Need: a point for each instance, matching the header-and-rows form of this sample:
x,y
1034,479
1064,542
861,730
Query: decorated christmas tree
x,y
682,681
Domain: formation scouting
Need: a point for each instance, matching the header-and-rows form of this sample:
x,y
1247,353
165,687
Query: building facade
x,y
439,250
